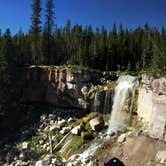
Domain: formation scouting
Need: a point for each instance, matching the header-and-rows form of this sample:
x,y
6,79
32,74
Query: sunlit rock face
x,y
152,106
59,86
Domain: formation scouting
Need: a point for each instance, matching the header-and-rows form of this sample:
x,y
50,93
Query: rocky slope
x,y
59,133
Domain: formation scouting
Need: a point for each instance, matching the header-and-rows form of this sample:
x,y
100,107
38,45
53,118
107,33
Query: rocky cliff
x,y
59,86
62,86
152,106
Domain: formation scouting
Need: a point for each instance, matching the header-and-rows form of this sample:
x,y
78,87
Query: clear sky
x,y
131,13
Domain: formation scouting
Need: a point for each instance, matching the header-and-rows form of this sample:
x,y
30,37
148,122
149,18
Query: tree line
x,y
117,49
143,48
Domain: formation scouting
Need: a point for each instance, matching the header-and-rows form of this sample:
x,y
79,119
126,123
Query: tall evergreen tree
x,y
35,31
7,70
48,30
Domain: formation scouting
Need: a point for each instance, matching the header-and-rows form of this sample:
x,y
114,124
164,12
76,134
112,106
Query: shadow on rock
x,y
114,162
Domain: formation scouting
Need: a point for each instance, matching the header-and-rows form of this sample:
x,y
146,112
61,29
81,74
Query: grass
x,y
73,147
34,141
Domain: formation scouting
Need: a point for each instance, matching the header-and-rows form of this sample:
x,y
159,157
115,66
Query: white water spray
x,y
123,91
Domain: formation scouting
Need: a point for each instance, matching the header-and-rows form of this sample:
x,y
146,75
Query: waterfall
x,y
107,102
96,104
123,91
102,102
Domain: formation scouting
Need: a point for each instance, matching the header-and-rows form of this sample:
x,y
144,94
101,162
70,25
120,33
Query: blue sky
x,y
131,13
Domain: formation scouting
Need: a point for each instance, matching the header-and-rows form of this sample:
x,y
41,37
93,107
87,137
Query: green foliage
x,y
57,136
75,144
34,143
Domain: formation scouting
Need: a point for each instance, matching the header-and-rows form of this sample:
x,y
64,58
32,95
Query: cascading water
x,y
124,90
107,102
96,104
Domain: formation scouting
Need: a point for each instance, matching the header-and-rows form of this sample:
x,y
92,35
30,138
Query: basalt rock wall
x,y
60,86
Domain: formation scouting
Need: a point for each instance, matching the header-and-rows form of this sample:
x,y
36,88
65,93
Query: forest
x,y
139,49
76,94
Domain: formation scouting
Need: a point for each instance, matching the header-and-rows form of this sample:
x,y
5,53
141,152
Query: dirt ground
x,y
135,151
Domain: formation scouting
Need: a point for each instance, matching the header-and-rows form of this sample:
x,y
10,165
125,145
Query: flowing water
x,y
123,92
107,102
96,104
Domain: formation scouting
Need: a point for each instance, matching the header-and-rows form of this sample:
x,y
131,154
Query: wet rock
x,y
121,138
97,123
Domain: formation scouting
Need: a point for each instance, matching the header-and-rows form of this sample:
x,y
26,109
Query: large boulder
x,y
97,123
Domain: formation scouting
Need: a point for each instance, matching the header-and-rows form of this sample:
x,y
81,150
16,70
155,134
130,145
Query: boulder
x,y
54,127
71,120
121,138
86,135
76,130
161,157
50,160
97,123
62,123
42,163
25,145
26,155
65,130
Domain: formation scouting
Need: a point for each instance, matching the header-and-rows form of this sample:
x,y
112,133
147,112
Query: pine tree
x,y
7,70
67,40
48,30
35,31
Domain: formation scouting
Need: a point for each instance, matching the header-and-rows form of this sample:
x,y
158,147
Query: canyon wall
x,y
152,106
63,87
60,86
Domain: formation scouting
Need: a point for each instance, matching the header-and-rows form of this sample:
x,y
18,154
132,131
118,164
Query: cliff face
x,y
59,86
152,106
64,87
